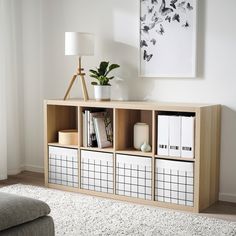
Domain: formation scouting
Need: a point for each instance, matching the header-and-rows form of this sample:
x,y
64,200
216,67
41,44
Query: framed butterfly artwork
x,y
168,38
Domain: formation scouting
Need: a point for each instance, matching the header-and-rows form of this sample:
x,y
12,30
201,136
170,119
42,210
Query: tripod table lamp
x,y
78,44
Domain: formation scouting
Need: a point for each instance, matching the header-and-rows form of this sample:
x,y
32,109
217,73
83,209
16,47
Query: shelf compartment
x,y
84,129
63,166
171,123
174,182
134,176
125,120
96,171
60,118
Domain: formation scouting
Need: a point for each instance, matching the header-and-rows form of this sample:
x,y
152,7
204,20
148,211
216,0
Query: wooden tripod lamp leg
x,y
70,86
84,88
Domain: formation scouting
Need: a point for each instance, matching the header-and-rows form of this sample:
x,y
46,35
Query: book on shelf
x,y
85,129
103,130
89,135
92,141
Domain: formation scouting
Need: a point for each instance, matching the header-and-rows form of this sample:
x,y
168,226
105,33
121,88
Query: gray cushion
x,y
15,210
42,226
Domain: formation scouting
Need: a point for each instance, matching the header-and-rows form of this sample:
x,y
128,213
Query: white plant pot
x,y
102,92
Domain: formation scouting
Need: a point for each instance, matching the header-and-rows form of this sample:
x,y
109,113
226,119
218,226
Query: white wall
x,y
115,23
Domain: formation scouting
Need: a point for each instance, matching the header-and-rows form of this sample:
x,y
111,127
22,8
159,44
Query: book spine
x,y
87,127
84,130
95,121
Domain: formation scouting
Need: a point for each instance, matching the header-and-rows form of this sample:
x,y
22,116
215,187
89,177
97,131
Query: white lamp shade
x,y
79,44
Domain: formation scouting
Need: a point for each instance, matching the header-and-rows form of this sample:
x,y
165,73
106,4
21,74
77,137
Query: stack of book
x,y
97,129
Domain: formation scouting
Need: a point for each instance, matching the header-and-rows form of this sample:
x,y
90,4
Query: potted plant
x,y
102,87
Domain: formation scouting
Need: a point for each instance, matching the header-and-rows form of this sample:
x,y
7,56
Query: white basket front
x,y
134,176
63,166
174,182
97,171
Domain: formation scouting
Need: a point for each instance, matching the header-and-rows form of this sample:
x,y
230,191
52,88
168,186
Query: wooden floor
x,y
221,210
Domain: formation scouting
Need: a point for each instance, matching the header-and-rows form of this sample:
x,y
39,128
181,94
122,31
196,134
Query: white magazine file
x,y
174,135
187,136
163,135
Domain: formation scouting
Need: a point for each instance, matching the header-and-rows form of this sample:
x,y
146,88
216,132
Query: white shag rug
x,y
77,214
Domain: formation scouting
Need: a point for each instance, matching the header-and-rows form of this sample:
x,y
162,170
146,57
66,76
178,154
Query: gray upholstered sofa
x,y
21,216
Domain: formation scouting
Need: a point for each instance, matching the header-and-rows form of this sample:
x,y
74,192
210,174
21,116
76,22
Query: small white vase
x,y
102,92
141,134
146,147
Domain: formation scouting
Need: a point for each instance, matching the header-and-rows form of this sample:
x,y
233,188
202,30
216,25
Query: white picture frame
x,y
168,38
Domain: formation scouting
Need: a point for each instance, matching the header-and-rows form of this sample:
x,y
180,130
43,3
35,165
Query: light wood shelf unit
x,y
62,145
110,150
60,114
175,158
134,152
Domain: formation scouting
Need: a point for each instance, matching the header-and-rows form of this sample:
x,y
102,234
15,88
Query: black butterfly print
x,y
152,25
176,17
153,41
189,7
150,10
147,57
143,43
186,25
161,31
165,10
181,4
168,18
156,19
143,18
154,2
154,15
172,3
146,28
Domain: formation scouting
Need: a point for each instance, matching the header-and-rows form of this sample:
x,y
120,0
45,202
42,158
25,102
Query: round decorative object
x,y
102,92
146,147
68,137
141,134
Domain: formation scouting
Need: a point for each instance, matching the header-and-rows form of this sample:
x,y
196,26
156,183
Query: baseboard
x,y
15,171
227,197
34,168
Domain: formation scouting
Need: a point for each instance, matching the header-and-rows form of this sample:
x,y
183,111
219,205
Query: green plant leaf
x,y
94,72
94,76
103,68
101,73
111,67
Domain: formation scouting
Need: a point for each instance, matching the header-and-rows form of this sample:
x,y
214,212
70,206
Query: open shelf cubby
x,y
95,113
172,114
124,173
60,118
125,121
